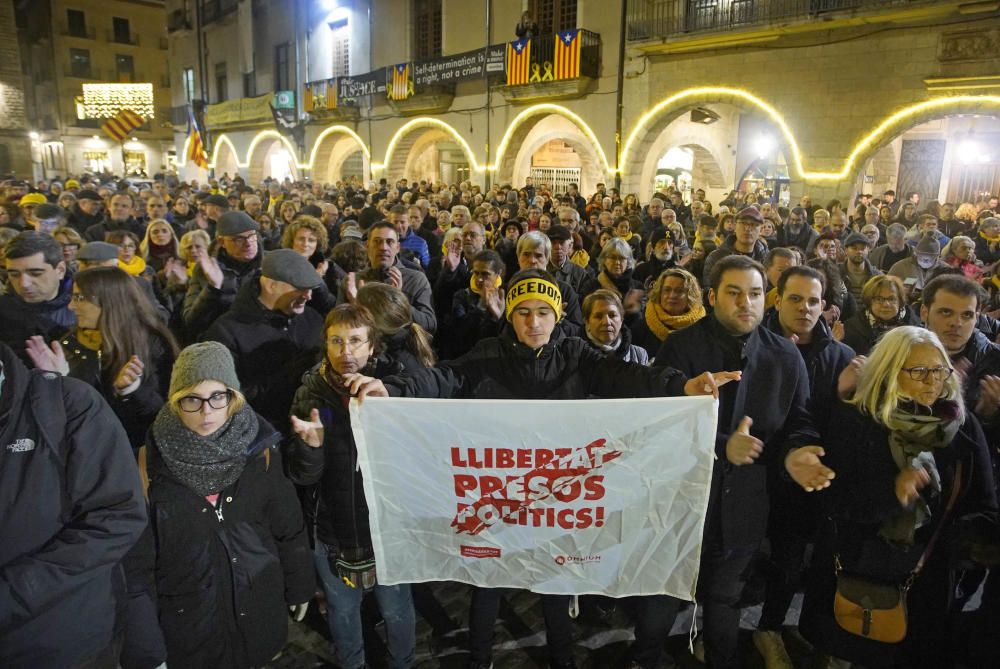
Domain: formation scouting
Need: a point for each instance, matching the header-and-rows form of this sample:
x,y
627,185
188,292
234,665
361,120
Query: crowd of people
x,y
180,475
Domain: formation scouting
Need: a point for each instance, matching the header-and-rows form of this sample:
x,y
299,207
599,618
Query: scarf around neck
x,y
206,465
662,324
135,267
913,436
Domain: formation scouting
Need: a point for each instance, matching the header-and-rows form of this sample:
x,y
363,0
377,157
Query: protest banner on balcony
x,y
558,497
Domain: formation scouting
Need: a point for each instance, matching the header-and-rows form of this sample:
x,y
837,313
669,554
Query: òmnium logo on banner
x,y
576,559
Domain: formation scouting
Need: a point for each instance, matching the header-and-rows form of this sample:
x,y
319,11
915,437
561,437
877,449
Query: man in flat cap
x,y
273,336
215,281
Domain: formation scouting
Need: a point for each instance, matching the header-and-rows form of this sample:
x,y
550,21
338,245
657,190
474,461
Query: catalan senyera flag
x,y
567,55
121,124
196,149
402,87
518,62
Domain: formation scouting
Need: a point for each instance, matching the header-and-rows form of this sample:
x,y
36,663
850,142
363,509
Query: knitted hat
x,y
530,287
33,198
205,361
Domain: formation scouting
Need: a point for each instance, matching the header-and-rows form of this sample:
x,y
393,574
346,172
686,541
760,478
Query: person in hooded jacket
x,y
534,360
323,453
226,543
70,508
272,332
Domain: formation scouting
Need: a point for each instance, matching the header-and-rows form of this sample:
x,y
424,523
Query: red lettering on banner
x,y
565,474
479,551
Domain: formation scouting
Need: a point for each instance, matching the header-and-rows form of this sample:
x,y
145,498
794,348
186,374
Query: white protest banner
x,y
557,497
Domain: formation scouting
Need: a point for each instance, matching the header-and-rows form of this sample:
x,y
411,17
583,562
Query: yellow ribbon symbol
x,y
535,74
548,76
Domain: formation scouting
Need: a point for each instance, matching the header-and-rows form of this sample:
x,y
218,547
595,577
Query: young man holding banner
x,y
535,362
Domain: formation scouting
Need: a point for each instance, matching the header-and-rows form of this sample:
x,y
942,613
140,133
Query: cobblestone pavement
x,y
519,643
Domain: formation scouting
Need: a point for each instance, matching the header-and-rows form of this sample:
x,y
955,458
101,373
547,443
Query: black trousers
x,y
483,615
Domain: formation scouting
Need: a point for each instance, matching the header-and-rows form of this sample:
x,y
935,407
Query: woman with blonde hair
x,y
308,237
229,553
159,245
674,303
909,459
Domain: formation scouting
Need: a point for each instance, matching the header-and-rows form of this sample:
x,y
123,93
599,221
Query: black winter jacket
x,y
774,392
20,320
341,508
225,574
271,350
99,231
70,508
203,302
728,248
465,324
566,368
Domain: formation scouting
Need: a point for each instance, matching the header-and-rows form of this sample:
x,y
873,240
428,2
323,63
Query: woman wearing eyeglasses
x,y
323,452
120,346
904,445
884,308
227,543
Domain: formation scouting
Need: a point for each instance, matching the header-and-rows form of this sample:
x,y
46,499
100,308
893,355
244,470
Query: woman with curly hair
x,y
674,303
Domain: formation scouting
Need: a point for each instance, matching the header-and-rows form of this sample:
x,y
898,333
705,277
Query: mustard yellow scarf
x,y
136,266
662,324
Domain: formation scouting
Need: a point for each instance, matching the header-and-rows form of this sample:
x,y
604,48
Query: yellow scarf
x,y
662,324
628,238
190,268
581,258
770,298
135,267
996,281
991,240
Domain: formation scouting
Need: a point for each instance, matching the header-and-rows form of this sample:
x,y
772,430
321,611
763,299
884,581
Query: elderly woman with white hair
x,y
910,460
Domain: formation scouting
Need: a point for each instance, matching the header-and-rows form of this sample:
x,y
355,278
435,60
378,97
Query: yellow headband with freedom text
x,y
534,289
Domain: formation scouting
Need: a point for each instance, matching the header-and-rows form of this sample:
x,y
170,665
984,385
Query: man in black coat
x,y
70,508
120,217
273,336
745,241
771,399
38,303
454,270
215,281
797,315
86,212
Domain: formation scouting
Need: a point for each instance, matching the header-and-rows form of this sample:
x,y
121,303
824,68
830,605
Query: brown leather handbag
x,y
877,611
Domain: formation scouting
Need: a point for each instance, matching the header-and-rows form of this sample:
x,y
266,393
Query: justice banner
x,y
557,497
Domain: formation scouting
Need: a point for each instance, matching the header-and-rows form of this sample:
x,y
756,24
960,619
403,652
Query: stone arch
x,y
224,158
333,147
265,146
531,134
403,157
666,125
882,166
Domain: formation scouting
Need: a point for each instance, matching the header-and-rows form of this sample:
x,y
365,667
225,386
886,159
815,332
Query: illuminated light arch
x,y
220,140
427,122
272,134
224,148
891,126
533,135
544,109
325,152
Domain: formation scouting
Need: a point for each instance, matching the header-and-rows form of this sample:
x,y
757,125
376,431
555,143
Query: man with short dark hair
x,y
856,269
409,241
121,216
560,265
772,400
386,266
38,303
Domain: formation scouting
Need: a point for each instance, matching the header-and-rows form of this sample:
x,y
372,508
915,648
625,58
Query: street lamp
x,y
763,145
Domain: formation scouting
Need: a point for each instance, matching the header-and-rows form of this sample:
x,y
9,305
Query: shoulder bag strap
x,y
940,528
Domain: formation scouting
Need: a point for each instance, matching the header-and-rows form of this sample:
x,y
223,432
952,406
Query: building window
x,y
187,81
554,15
282,68
340,40
426,29
221,84
79,63
121,32
125,67
76,23
250,84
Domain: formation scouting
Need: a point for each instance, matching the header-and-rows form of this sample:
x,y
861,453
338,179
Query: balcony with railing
x,y
213,10
78,32
559,65
658,19
127,38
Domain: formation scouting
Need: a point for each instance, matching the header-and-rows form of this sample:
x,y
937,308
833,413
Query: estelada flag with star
x,y
121,124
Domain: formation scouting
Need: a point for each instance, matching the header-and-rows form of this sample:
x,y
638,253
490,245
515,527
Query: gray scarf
x,y
209,464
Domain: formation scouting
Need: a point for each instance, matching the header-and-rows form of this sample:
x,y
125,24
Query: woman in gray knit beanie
x,y
226,523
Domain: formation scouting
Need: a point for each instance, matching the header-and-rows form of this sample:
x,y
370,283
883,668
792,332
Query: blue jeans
x,y
344,617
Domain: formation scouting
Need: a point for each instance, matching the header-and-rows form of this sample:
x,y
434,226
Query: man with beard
x,y
661,258
796,231
856,269
273,336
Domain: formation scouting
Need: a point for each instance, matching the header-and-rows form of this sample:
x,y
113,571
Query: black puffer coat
x,y
225,575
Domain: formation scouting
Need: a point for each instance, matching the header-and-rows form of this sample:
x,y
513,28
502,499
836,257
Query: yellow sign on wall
x,y
106,100
243,110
